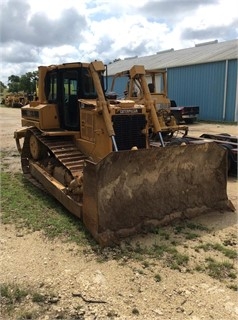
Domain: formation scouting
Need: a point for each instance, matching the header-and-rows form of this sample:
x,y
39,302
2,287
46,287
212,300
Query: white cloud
x,y
54,31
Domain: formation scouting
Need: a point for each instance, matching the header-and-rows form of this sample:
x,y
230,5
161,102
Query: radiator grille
x,y
128,131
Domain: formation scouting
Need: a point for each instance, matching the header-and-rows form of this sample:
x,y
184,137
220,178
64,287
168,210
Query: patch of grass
x,y
191,235
220,270
17,300
38,297
28,207
229,253
161,232
12,293
233,287
158,250
27,315
196,226
172,257
185,225
177,260
199,268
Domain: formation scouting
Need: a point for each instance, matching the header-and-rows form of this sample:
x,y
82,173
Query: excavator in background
x,y
17,100
92,152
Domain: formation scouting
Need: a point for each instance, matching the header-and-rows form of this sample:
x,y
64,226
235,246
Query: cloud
x,y
173,10
213,32
19,52
47,32
65,30
38,29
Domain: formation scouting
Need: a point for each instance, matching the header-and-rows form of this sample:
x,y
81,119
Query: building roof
x,y
201,53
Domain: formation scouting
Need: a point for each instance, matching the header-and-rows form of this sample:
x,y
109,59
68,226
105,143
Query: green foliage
x,y
233,287
12,293
26,82
229,253
38,297
220,270
2,87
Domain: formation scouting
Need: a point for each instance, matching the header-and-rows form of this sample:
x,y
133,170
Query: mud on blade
x,y
130,190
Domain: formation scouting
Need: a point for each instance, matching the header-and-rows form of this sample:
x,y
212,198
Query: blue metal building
x,y
205,75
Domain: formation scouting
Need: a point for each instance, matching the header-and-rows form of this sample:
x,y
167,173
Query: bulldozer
x,y
151,85
92,152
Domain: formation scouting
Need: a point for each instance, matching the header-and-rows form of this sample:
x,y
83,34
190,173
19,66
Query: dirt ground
x,y
87,288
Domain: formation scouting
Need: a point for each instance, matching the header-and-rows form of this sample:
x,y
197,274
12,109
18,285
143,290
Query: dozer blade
x,y
130,191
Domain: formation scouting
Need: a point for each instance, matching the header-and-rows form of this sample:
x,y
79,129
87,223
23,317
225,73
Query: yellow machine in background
x,y
150,87
16,100
92,152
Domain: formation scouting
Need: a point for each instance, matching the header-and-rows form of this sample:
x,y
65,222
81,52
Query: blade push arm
x,y
96,68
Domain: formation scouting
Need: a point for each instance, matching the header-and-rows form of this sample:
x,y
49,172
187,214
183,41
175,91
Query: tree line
x,y
26,82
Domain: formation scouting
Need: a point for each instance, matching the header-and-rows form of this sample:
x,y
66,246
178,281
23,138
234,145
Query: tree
x,y
2,87
14,83
26,82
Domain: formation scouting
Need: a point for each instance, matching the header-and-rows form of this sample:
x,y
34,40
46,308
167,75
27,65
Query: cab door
x,y
69,104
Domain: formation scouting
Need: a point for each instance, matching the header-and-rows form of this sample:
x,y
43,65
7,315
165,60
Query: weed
x,y
219,270
162,233
191,235
184,227
196,226
233,287
199,268
38,298
26,315
12,293
173,258
177,260
229,253
159,250
158,277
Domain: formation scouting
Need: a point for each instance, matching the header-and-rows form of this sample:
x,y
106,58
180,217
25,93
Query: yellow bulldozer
x,y
150,87
16,100
92,152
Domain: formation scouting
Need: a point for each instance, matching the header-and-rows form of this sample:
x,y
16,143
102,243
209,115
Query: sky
x,y
45,32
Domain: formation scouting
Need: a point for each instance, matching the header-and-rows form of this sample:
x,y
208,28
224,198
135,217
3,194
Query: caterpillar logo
x,y
129,111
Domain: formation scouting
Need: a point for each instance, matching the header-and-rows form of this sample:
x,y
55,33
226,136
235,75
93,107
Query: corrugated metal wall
x,y
119,86
232,91
204,85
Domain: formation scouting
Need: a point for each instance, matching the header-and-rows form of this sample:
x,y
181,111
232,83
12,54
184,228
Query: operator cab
x,y
64,87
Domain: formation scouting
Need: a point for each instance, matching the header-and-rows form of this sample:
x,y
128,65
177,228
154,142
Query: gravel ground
x,y
88,285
